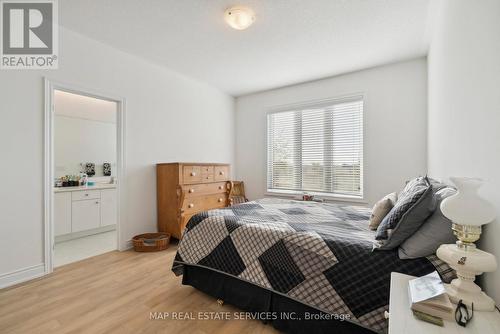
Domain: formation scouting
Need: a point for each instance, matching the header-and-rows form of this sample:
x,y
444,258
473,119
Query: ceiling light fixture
x,y
239,17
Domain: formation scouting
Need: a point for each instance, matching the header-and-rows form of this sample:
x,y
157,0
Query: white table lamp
x,y
468,212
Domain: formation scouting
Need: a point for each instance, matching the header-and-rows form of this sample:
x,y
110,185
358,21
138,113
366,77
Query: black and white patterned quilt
x,y
316,253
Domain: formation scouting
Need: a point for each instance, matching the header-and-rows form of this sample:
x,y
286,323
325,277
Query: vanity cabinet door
x,y
108,207
62,213
86,215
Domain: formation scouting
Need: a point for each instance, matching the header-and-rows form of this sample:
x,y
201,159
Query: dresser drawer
x,y
85,194
187,188
202,203
191,174
204,189
221,173
207,174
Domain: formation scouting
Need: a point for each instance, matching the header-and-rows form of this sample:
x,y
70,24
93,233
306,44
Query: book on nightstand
x,y
428,295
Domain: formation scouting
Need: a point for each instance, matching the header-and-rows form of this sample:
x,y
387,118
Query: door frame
x,y
49,86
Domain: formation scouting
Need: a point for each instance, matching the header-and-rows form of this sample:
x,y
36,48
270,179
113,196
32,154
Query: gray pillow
x,y
436,185
413,207
435,231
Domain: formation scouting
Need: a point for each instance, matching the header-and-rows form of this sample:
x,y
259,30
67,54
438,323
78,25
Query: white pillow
x,y
381,209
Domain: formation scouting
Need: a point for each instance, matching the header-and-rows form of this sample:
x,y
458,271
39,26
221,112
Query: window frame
x,y
318,104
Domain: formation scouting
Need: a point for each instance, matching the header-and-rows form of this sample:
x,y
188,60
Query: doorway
x,y
84,145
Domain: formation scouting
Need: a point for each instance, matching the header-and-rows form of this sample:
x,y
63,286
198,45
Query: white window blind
x,y
317,149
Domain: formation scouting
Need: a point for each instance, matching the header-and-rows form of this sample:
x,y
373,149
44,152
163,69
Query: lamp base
x,y
468,263
469,292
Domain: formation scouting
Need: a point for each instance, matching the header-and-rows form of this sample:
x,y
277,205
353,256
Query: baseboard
x,y
128,245
21,275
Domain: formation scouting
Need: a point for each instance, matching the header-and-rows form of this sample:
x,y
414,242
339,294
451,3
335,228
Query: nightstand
x,y
401,319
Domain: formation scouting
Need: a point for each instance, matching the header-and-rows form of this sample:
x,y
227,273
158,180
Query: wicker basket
x,y
151,242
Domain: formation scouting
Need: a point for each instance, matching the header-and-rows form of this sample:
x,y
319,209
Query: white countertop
x,y
97,186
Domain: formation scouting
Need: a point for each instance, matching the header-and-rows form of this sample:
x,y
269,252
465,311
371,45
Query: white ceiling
x,y
84,107
291,41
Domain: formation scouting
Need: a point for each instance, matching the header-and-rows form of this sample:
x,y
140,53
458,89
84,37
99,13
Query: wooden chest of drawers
x,y
184,189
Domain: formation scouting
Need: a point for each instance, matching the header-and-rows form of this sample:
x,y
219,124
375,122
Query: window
x,y
318,149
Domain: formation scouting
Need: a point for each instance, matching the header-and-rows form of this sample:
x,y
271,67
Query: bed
x,y
274,255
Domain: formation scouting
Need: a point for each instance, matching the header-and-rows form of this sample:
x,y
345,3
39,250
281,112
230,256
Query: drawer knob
x,y
221,173
86,194
191,190
208,177
190,205
193,174
220,199
96,202
221,187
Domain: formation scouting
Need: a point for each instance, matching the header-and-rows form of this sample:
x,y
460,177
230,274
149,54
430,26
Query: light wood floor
x,y
114,293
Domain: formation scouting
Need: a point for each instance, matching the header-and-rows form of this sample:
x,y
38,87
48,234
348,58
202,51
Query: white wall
x,y
169,117
464,105
83,106
78,141
394,118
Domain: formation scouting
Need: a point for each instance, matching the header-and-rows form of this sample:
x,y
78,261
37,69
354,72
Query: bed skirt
x,y
251,298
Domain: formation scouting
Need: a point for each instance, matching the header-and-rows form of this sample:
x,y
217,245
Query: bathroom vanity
x,y
82,211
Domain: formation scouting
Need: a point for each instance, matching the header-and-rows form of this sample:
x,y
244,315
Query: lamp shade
x,y
466,207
